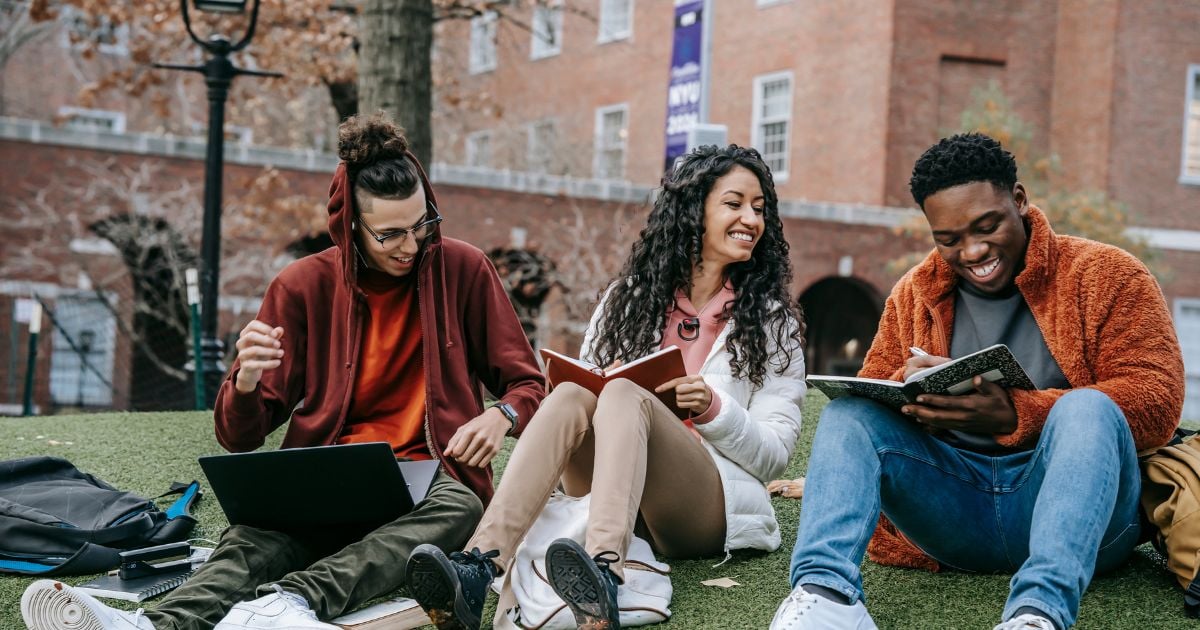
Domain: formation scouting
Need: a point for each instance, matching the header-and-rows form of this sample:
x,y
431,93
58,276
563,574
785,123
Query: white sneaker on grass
x,y
802,610
51,605
276,611
1026,622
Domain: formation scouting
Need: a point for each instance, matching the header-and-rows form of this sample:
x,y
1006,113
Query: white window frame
x,y
1193,100
757,121
471,150
769,3
623,31
1191,369
600,147
72,113
483,38
533,162
541,47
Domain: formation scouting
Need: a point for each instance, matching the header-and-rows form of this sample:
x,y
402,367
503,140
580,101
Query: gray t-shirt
x,y
982,320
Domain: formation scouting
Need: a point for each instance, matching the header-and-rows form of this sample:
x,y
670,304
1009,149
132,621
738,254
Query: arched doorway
x,y
842,314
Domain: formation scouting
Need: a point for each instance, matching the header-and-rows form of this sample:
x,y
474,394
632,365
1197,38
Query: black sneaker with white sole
x,y
450,590
586,584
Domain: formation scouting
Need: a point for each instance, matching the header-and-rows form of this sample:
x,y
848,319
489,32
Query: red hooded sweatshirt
x,y
471,337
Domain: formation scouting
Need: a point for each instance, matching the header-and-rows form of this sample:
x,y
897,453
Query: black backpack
x,y
57,520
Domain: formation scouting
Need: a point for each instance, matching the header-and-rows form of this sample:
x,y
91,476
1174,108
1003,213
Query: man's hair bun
x,y
365,140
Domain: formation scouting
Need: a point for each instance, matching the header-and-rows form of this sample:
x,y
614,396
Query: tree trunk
x,y
394,67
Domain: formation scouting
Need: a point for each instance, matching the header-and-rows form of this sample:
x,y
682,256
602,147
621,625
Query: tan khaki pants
x,y
632,454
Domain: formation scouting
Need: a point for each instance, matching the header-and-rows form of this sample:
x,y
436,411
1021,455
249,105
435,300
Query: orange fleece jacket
x,y
1104,320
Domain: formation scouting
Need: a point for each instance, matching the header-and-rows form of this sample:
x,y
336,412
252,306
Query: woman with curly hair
x,y
709,274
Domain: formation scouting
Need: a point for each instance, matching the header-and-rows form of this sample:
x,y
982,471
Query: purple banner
x,y
685,87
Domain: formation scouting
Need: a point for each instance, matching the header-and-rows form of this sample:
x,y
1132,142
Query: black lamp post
x,y
219,73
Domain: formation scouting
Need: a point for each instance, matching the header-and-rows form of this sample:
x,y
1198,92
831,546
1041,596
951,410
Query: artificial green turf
x,y
145,452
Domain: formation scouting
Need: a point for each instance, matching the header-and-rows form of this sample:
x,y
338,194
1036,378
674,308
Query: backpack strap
x,y
189,494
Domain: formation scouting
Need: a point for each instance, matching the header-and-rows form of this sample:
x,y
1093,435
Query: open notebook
x,y
994,363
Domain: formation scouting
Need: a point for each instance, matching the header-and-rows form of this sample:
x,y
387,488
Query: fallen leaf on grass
x,y
721,582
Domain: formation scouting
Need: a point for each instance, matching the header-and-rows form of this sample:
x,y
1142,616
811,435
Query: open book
x,y
400,613
995,363
649,372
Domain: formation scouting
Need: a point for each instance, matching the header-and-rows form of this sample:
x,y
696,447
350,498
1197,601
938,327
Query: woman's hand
x,y
691,393
787,488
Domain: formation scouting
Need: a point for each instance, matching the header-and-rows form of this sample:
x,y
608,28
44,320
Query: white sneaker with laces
x,y
276,611
1026,622
51,605
802,610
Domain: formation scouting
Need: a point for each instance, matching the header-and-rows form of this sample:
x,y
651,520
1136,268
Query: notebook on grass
x,y
994,363
136,589
400,613
649,372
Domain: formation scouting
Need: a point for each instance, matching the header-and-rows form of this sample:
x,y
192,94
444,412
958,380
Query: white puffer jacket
x,y
750,440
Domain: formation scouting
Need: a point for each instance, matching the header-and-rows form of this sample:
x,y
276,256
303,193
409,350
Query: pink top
x,y
694,332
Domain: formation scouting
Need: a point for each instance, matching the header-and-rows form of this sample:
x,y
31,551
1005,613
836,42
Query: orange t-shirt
x,y
388,403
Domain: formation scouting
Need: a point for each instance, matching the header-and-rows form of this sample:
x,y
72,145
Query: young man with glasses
x,y
386,337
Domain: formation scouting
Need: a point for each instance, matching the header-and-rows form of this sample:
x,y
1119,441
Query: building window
x,y
616,20
543,141
92,119
483,43
84,346
479,149
547,31
83,32
771,131
1187,326
612,131
1191,129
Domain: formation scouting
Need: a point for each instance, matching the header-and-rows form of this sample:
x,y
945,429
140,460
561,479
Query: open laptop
x,y
359,486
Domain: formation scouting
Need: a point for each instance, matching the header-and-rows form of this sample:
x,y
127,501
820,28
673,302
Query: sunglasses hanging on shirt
x,y
689,328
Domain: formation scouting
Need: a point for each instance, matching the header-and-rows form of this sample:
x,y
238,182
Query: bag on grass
x,y
57,520
1171,502
528,601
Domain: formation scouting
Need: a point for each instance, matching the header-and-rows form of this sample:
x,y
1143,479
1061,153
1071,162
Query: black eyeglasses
x,y
420,231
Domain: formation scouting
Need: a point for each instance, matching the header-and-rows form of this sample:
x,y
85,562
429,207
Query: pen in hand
x,y
917,352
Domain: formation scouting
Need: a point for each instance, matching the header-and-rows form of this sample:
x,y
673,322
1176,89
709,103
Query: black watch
x,y
511,414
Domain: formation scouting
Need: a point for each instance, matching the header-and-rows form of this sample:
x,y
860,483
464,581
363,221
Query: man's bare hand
x,y
477,442
922,362
988,410
259,349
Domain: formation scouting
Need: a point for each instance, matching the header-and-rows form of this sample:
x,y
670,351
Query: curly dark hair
x,y
667,251
962,159
376,155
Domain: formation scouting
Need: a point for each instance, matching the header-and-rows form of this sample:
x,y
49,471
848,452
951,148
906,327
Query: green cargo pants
x,y
333,573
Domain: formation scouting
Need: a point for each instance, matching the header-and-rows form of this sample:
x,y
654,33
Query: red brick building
x,y
536,130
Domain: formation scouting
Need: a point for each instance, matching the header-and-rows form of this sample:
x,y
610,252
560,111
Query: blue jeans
x,y
1055,515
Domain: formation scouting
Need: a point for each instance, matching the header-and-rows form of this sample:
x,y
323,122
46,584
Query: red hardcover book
x,y
649,372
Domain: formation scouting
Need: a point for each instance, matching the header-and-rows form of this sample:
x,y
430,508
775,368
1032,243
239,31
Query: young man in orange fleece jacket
x,y
1043,483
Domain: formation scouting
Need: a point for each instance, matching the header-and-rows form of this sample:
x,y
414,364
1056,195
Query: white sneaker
x,y
802,610
279,610
1026,622
50,605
